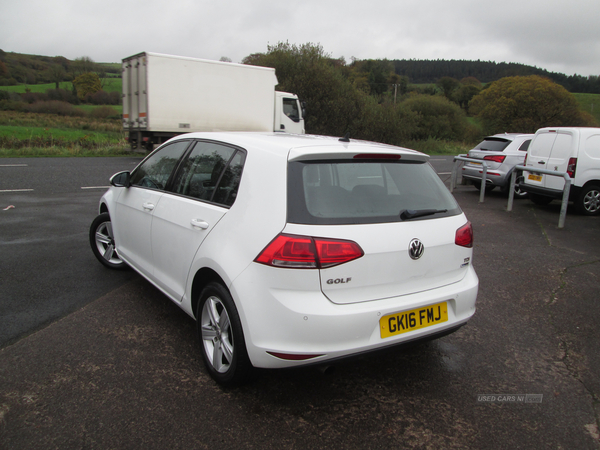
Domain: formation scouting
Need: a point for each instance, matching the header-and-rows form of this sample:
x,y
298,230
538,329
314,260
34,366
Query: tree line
x,y
429,71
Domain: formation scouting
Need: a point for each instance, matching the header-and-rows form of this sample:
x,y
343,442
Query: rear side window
x,y
492,145
525,145
211,172
346,192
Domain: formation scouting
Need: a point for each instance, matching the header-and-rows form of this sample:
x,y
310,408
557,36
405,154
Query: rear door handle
x,y
148,206
198,223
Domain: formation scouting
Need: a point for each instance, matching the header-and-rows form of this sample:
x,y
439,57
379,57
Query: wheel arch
x,y
201,279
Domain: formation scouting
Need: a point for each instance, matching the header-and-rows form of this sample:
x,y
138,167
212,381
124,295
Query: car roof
x,y
302,146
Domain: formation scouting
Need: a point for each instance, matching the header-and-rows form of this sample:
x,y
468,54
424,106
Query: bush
x,y
525,104
54,107
439,118
32,97
104,98
103,112
62,95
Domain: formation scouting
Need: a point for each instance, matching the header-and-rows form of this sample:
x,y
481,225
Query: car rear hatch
x,y
410,233
491,151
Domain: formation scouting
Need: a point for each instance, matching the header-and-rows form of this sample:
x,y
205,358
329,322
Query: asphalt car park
x,y
118,366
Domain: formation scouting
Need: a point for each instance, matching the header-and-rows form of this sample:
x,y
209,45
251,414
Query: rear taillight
x,y
525,161
495,158
572,167
304,252
464,236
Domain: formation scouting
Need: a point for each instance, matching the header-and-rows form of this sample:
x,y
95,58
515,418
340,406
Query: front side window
x,y
155,171
211,172
290,109
345,192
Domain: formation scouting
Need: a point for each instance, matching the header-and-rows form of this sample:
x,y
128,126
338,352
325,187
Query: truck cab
x,y
289,113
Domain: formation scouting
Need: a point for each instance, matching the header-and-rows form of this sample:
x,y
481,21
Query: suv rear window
x,y
346,192
492,144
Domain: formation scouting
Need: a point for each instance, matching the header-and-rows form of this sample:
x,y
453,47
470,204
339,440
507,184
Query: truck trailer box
x,y
165,95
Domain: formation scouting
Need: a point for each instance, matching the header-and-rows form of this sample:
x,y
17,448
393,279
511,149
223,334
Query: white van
x,y
572,150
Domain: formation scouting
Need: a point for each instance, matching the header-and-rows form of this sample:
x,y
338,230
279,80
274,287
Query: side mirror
x,y
120,179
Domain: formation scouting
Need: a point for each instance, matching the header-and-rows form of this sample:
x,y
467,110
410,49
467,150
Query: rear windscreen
x,y
492,145
345,192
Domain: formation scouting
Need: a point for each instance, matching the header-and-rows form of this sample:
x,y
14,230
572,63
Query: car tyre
x,y
588,203
488,188
102,242
541,200
221,336
518,192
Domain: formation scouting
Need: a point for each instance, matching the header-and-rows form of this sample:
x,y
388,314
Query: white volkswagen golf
x,y
292,250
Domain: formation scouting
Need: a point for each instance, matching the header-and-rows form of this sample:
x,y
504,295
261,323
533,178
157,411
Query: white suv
x,y
292,250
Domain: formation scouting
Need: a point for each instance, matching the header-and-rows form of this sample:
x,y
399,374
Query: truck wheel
x,y
588,203
541,200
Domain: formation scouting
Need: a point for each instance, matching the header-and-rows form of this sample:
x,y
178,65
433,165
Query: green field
x,y
27,134
589,103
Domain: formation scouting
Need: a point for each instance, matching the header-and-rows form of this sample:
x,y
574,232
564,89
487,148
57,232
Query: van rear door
x,y
550,149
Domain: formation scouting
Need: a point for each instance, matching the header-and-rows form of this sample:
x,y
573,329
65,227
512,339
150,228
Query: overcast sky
x,y
556,35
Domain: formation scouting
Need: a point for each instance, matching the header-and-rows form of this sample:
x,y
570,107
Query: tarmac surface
x,y
124,371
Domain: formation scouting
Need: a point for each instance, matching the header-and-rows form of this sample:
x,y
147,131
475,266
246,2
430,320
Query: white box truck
x,y
165,95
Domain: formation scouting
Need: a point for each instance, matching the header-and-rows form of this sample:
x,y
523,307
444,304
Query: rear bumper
x,y
304,322
493,178
552,193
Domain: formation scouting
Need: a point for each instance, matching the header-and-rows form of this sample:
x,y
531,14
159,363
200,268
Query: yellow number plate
x,y
403,322
535,177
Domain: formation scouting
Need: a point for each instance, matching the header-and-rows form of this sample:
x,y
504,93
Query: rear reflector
x,y
304,252
464,236
291,357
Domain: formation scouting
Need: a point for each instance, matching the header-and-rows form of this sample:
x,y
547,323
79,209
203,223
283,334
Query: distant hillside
x,y
18,68
429,71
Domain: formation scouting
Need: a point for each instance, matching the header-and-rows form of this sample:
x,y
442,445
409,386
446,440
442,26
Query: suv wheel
x,y
221,337
589,201
488,187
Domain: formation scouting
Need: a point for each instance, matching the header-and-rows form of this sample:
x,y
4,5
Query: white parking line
x,y
17,190
13,165
95,187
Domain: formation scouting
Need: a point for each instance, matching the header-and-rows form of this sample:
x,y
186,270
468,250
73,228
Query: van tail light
x,y
495,158
572,167
464,236
525,160
304,252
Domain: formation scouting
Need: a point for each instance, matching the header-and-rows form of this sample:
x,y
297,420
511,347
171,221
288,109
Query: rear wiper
x,y
407,214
